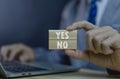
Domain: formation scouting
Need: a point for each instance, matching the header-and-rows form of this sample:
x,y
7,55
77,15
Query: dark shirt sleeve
x,y
55,56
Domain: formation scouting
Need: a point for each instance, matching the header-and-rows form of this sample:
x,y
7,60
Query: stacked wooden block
x,y
62,39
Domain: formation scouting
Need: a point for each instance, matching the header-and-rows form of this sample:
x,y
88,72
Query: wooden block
x,y
62,44
72,34
62,39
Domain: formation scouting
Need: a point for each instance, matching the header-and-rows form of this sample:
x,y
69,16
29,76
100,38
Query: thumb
x,y
98,59
77,54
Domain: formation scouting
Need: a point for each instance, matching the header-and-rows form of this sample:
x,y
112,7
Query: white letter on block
x,y
59,44
58,35
67,36
65,44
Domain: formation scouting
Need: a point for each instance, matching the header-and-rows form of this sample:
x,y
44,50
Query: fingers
x,y
27,55
100,38
5,51
9,52
107,44
77,54
92,34
95,36
81,25
16,52
111,44
25,58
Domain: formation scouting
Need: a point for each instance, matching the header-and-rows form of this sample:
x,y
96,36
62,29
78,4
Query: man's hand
x,y
103,45
18,52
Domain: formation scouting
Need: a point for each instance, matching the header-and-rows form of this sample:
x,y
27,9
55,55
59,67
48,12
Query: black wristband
x,y
113,73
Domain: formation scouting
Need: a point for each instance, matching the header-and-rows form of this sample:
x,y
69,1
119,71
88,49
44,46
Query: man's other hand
x,y
19,52
103,45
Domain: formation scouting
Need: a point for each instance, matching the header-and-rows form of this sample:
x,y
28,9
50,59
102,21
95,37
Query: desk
x,y
81,74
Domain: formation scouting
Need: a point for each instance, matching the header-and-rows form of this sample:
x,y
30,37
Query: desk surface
x,y
81,74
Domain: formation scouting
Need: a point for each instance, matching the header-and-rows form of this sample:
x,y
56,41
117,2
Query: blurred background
x,y
21,20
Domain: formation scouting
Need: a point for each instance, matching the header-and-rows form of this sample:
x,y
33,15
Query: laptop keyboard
x,y
17,67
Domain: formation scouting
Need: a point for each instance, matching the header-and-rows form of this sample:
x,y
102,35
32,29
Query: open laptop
x,y
16,69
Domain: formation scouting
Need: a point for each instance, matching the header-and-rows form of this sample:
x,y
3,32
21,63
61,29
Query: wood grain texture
x,y
59,38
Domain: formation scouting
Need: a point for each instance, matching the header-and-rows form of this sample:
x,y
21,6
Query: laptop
x,y
12,69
